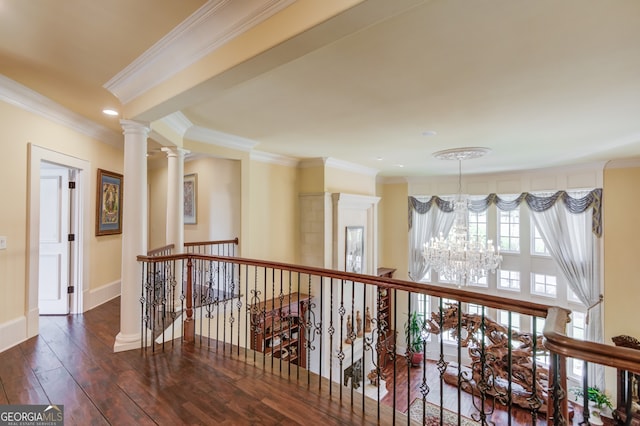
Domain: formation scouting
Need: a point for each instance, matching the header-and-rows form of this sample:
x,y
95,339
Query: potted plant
x,y
597,401
414,330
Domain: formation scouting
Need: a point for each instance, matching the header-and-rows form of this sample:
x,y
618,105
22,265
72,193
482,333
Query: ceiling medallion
x,y
461,153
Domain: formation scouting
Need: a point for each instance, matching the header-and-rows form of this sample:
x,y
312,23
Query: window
x,y
509,230
542,355
577,330
544,285
422,305
473,308
480,282
578,325
509,280
503,318
478,226
448,336
527,271
538,246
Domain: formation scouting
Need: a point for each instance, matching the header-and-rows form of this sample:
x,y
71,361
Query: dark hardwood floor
x,y
72,363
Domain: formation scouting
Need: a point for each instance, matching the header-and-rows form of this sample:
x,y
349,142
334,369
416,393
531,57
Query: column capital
x,y
132,127
175,151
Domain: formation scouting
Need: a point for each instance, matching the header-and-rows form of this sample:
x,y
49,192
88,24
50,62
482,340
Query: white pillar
x,y
134,233
175,197
175,212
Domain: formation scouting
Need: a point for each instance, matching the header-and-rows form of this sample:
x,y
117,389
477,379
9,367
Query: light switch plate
x,y
3,243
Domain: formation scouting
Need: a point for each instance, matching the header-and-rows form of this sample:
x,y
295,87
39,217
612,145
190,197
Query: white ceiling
x,y
542,83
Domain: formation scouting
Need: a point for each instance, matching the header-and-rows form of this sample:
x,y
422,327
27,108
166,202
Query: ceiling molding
x,y
216,23
391,180
178,122
280,160
215,137
21,96
337,164
350,167
625,163
312,162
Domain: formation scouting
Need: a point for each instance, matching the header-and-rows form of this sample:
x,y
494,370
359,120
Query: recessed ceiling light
x,y
379,158
400,165
429,133
109,111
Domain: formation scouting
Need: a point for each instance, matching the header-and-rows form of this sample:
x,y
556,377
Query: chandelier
x,y
457,258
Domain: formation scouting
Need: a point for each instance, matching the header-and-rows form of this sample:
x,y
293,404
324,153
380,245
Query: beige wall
x,y
311,179
218,201
349,182
393,241
273,215
20,128
315,176
157,202
621,252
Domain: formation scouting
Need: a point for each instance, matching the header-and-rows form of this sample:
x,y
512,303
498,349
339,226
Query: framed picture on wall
x,y
109,203
354,249
190,198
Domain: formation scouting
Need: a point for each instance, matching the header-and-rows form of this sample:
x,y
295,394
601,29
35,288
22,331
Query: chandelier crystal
x,y
457,258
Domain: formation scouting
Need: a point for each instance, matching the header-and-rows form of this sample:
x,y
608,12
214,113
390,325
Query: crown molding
x,y
624,163
350,167
29,100
216,23
391,180
266,157
178,122
214,137
312,162
336,164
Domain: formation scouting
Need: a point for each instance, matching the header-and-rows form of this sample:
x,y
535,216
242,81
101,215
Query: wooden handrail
x,y
159,250
519,306
557,341
209,243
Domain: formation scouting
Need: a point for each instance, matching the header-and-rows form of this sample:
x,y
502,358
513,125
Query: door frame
x,y
36,155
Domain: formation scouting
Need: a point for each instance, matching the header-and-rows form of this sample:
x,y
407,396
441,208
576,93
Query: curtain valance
x,y
536,203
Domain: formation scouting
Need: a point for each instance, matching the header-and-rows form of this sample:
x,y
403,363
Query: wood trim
x,y
557,341
491,301
209,243
160,249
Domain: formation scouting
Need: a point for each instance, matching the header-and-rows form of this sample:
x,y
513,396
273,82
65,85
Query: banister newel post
x,y
189,325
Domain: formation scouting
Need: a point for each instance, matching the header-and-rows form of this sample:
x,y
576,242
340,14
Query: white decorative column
x,y
134,232
175,196
175,210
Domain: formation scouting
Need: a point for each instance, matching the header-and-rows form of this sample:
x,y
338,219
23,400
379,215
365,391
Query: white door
x,y
53,275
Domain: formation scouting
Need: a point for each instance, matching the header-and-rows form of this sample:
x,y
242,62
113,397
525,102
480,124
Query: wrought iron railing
x,y
344,334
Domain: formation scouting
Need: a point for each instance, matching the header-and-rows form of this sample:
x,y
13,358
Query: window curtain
x,y
576,250
428,220
570,227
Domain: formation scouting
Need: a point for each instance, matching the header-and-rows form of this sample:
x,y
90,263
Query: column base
x,y
127,342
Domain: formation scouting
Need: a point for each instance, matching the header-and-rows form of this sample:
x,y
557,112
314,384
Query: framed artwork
x,y
190,198
354,249
109,203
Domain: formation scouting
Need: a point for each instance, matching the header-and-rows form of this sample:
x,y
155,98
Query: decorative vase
x,y
416,359
594,415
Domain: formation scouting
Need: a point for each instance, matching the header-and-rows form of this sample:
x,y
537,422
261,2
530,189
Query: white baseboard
x,y
12,333
98,296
